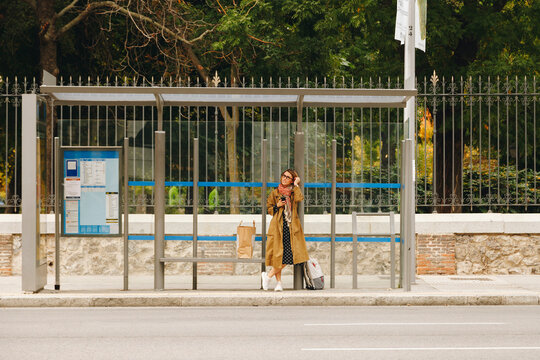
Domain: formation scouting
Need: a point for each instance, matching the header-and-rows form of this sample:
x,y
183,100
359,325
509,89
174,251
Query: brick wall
x,y
6,255
436,254
216,249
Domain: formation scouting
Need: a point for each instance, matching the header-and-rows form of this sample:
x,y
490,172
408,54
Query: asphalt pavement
x,y
390,332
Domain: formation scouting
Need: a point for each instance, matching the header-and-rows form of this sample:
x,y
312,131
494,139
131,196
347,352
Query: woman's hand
x,y
297,181
280,203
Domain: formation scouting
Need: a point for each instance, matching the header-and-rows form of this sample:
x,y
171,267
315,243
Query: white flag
x,y
402,22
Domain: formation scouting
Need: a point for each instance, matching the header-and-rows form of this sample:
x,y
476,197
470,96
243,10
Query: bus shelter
x,y
34,276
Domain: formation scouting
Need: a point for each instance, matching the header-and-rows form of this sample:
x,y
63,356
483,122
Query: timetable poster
x,y
91,192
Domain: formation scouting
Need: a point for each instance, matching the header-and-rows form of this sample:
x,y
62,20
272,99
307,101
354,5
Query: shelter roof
x,y
227,96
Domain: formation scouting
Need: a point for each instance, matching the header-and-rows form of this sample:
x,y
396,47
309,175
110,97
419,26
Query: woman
x,y
285,244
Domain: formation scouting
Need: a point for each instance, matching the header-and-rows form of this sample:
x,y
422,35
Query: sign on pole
x,y
402,22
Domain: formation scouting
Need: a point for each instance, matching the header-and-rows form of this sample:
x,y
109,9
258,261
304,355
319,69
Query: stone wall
x,y
96,256
498,254
436,254
6,255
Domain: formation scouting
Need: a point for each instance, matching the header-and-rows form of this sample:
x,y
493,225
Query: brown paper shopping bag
x,y
245,240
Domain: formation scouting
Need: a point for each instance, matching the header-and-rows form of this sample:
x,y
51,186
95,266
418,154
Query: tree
x,y
272,38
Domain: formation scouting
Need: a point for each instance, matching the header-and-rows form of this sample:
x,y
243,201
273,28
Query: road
x,y
487,332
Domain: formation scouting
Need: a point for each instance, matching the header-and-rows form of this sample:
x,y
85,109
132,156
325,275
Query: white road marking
x,y
427,349
407,324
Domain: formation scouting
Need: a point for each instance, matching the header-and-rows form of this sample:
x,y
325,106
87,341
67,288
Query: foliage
x,y
505,191
7,170
424,146
213,200
278,38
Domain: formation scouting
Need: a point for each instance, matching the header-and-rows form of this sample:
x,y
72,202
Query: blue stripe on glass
x,y
369,185
270,184
258,238
140,183
229,184
167,183
178,183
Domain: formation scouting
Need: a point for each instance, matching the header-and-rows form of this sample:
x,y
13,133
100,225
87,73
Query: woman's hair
x,y
292,172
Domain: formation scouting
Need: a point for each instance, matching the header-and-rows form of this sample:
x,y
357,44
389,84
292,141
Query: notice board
x,y
91,192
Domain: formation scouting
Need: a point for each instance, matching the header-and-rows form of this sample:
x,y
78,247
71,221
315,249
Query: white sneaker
x,y
278,287
265,280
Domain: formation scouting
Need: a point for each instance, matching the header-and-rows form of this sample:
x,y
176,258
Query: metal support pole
x,y
159,106
57,178
402,210
195,205
126,212
264,210
392,251
409,214
299,166
333,218
159,210
409,132
354,251
406,217
34,271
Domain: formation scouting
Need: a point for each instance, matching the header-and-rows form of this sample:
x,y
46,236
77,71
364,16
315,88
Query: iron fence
x,y
476,145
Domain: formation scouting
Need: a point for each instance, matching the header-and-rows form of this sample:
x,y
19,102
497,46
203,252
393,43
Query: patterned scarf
x,y
287,192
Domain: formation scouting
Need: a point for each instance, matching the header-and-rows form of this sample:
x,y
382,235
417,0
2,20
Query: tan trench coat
x,y
274,242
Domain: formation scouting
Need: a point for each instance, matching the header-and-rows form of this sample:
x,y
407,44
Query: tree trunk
x,y
48,44
448,168
48,57
232,126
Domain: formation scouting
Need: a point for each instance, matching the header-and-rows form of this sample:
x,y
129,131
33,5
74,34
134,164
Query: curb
x,y
258,299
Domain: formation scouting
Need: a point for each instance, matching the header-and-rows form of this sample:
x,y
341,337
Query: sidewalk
x,y
90,291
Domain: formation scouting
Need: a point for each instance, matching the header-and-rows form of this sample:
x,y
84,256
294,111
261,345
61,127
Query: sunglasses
x,y
287,176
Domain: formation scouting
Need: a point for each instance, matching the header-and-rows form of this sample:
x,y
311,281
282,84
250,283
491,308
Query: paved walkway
x,y
245,291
